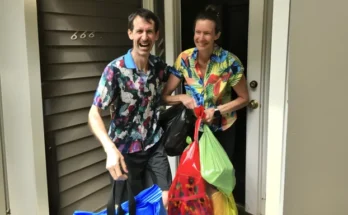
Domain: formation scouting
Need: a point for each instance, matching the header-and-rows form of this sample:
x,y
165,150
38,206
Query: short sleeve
x,y
236,70
164,70
105,92
177,69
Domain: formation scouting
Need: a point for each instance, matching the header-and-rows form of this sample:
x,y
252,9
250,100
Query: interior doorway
x,y
234,38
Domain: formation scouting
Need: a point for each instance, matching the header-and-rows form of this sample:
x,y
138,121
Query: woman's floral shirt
x,y
214,88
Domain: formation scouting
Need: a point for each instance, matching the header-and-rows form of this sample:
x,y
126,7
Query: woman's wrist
x,y
217,112
181,98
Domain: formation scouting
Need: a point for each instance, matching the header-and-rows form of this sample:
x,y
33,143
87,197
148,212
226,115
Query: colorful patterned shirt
x,y
136,96
223,72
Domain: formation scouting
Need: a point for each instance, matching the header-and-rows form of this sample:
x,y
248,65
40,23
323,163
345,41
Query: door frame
x,y
259,18
172,49
278,107
255,150
4,201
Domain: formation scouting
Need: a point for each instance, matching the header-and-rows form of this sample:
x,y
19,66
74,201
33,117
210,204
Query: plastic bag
x,y
177,123
224,205
216,167
148,201
187,194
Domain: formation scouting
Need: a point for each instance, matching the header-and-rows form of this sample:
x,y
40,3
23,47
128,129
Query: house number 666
x,y
83,35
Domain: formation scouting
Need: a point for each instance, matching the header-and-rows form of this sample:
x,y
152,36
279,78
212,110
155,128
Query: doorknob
x,y
253,104
253,84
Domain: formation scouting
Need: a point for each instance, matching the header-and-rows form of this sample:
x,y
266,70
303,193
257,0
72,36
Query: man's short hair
x,y
145,14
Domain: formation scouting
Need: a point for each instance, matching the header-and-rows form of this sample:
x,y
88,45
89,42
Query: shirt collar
x,y
214,56
129,61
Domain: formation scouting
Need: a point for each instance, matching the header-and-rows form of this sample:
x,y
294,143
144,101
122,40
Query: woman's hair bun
x,y
211,9
210,12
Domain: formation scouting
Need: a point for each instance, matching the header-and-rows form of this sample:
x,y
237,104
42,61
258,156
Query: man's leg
x,y
159,170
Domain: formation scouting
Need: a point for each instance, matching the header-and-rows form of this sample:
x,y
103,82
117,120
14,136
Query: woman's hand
x,y
188,101
209,115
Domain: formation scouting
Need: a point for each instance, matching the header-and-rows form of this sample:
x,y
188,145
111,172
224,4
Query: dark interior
x,y
234,38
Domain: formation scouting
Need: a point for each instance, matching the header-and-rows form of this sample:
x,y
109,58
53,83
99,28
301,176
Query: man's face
x,y
143,36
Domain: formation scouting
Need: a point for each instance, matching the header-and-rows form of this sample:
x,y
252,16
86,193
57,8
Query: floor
x,y
241,210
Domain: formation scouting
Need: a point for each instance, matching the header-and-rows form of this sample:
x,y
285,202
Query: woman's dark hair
x,y
210,13
145,14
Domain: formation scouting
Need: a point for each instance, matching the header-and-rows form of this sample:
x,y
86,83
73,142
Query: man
x,y
133,82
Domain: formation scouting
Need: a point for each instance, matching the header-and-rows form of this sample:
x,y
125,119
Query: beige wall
x,y
22,108
316,172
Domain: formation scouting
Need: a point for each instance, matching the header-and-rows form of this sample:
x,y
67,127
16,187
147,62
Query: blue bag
x,y
148,201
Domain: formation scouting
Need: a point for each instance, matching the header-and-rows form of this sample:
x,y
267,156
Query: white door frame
x,y
260,26
149,4
3,182
278,108
172,49
172,19
256,63
269,20
256,118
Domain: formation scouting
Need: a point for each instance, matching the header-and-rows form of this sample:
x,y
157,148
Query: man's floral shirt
x,y
136,96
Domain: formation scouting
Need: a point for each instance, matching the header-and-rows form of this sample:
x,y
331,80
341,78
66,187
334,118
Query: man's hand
x,y
188,101
114,162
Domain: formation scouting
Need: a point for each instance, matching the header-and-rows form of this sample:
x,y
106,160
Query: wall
x,y
22,108
317,139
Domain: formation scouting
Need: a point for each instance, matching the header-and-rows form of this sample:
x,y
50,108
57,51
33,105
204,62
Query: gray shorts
x,y
146,168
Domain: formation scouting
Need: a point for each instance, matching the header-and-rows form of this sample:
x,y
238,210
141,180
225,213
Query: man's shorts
x,y
146,168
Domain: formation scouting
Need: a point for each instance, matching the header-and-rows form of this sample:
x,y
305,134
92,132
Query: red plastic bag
x,y
187,194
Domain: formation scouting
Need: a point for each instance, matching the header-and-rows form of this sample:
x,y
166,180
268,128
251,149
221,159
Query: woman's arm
x,y
241,101
169,99
170,86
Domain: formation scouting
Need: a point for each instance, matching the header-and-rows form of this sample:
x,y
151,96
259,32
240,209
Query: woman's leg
x,y
227,139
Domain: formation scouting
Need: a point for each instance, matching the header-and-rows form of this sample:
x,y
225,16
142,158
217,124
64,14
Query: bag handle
x,y
200,114
112,200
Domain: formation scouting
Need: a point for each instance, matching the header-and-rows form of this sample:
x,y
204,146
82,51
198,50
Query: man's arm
x,y
98,128
104,95
114,157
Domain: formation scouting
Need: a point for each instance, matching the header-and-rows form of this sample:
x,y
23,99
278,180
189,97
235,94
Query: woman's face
x,y
205,34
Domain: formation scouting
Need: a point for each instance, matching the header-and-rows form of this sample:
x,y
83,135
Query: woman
x,y
209,73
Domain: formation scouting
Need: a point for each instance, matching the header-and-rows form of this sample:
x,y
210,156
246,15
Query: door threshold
x,y
241,210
